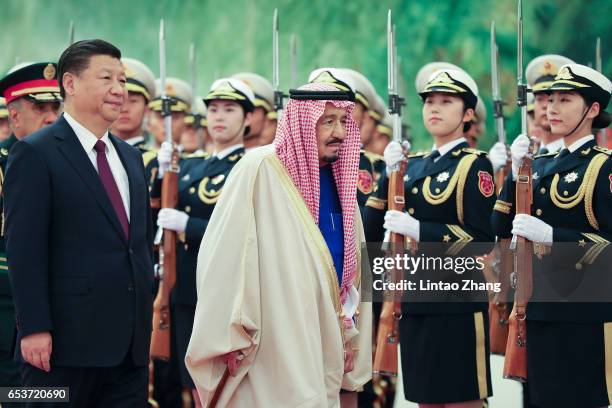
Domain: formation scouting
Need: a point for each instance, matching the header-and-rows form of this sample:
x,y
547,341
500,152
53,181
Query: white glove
x,y
402,223
164,157
518,150
498,156
172,219
394,153
532,228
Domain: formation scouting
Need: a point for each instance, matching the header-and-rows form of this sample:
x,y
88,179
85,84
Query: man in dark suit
x,y
79,242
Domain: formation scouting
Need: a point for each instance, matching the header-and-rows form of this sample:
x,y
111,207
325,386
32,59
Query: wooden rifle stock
x,y
515,364
160,339
387,340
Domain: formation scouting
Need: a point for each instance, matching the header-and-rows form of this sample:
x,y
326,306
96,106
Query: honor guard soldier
x,y
343,80
269,131
365,94
5,130
380,139
449,196
32,98
264,105
180,95
230,104
195,138
141,90
568,342
540,73
477,127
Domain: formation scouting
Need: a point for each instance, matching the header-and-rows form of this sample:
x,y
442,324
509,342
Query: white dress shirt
x,y
578,143
227,151
447,147
134,140
88,140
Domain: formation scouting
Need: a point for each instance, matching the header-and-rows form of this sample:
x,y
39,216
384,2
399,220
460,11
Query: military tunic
x,y
200,182
9,371
445,346
569,342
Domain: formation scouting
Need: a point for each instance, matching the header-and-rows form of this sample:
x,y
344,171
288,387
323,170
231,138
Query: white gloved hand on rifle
x,y
532,228
498,156
394,153
172,219
164,158
518,150
402,223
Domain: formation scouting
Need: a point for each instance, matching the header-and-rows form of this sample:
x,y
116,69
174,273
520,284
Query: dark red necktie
x,y
106,176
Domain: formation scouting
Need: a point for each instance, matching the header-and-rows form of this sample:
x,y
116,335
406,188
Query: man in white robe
x,y
275,324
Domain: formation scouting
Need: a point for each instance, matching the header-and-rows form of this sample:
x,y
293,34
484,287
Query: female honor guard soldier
x,y
568,358
449,195
201,178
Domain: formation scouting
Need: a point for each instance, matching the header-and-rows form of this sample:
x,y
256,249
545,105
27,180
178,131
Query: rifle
x,y
602,132
71,33
197,117
160,340
515,363
278,94
387,340
498,307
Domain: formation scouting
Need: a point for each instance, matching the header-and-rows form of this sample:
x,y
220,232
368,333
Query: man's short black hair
x,y
75,58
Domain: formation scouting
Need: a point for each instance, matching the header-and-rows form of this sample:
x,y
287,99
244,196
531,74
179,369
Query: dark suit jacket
x,y
72,270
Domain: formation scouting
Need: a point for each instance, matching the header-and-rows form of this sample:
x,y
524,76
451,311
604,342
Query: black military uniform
x,y
569,342
37,83
445,346
200,182
365,181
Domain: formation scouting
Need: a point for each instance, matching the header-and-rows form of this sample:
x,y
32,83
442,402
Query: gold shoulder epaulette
x,y
373,156
549,154
603,150
202,155
417,154
474,151
148,156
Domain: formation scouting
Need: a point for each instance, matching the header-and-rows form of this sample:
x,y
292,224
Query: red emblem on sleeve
x,y
610,178
364,181
485,183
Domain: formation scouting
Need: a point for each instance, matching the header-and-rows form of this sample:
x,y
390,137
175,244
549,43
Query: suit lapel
x,y
132,170
72,150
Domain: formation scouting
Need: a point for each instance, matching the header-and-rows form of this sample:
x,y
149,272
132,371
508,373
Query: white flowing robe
x,y
267,287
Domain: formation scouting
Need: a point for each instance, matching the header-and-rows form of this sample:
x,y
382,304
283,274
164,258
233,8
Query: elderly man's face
x,y
331,132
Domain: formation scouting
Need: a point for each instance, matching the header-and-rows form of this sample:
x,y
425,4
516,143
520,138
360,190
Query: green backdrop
x,y
236,35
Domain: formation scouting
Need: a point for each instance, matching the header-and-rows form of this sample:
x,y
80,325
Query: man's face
x,y
258,121
191,139
366,131
27,116
540,105
331,132
5,130
129,122
98,91
155,126
269,132
358,113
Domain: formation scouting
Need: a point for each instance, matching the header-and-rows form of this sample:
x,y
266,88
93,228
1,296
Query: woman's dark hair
x,y
75,58
602,120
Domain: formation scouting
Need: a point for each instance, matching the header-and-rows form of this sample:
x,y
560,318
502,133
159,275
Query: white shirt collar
x,y
134,140
578,143
85,136
555,146
447,147
227,151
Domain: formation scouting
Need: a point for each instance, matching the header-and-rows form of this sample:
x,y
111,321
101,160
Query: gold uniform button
x,y
538,212
543,190
415,190
192,190
565,193
411,211
186,247
187,209
578,266
437,190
